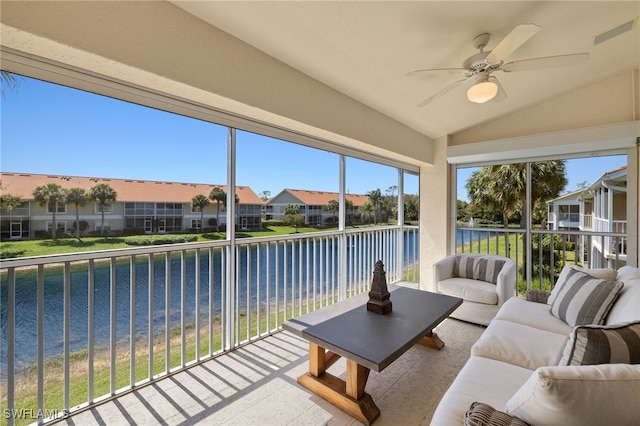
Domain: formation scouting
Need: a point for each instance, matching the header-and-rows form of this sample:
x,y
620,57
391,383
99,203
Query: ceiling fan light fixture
x,y
484,90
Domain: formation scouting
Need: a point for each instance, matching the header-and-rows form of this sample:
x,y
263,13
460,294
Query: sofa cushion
x,y
601,273
532,314
481,414
596,344
582,299
579,395
470,289
627,306
518,344
482,268
481,379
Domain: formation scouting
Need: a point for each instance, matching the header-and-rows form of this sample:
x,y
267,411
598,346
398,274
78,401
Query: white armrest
x,y
443,269
505,283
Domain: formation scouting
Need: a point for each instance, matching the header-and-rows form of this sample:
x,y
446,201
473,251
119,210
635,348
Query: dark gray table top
x,y
373,340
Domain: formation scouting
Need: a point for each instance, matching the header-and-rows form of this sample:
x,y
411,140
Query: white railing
x,y
81,328
586,248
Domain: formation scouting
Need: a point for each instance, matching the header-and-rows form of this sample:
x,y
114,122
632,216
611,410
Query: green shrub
x,y
150,240
11,253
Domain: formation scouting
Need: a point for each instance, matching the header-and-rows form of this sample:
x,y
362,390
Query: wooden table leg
x,y
432,340
347,395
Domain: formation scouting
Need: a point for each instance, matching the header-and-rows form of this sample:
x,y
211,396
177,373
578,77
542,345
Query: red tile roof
x,y
322,198
23,184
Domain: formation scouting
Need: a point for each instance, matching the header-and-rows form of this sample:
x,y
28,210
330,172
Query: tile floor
x,y
256,385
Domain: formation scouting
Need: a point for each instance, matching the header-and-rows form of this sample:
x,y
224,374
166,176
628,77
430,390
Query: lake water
x,y
26,295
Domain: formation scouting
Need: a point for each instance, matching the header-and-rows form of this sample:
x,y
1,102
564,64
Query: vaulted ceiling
x,y
365,49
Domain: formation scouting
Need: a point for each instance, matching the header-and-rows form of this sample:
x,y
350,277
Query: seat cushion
x,y
605,394
519,344
481,379
470,289
532,314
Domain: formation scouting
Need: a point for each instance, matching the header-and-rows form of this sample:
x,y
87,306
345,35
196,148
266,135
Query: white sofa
x,y
519,365
483,290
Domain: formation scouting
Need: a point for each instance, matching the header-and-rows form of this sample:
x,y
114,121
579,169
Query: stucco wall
x,y
435,213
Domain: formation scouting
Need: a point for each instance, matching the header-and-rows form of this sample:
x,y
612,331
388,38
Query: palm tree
x,y
292,216
219,196
200,202
375,197
504,187
333,206
348,207
9,80
78,197
411,207
264,195
103,194
367,210
50,196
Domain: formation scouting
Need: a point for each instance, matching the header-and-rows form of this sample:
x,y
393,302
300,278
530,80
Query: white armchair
x,y
483,281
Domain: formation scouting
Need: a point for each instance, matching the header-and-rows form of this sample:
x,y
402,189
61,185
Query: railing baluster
x,y
167,312
67,332
267,262
258,284
197,303
211,299
151,311
11,343
40,284
112,324
183,307
132,321
90,328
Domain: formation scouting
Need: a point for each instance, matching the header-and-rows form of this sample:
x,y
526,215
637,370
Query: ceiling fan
x,y
477,69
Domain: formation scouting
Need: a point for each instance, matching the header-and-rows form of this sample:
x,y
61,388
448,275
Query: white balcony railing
x,y
81,328
548,247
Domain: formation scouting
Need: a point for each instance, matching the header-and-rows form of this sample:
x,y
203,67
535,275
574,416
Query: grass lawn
x,y
29,248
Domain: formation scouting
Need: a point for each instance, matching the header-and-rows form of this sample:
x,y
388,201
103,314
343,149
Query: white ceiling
x,y
365,48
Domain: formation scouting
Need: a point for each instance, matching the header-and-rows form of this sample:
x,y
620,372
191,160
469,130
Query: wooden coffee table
x,y
368,341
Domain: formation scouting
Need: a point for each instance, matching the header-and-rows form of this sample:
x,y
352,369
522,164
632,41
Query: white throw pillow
x,y
605,394
600,273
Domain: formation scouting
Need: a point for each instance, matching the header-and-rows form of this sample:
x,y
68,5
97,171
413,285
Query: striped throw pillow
x,y
464,266
582,299
487,269
597,344
478,268
480,414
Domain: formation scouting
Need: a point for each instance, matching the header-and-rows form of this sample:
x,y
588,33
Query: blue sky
x,y
51,129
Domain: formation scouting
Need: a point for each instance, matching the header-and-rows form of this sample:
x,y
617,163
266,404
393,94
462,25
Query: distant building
x,y
141,206
312,205
601,207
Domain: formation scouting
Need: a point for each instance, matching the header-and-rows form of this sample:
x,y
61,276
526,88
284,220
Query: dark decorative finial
x,y
379,301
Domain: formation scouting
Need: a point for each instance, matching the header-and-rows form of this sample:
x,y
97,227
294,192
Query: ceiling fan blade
x,y
516,38
436,71
502,94
571,60
441,92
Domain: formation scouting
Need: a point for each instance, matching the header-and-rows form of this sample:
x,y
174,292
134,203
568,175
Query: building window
x,y
61,207
104,208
